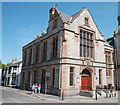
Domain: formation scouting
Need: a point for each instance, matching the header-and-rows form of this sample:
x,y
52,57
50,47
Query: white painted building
x,y
11,75
0,76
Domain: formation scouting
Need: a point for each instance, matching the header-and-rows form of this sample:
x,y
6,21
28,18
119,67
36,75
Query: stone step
x,y
86,93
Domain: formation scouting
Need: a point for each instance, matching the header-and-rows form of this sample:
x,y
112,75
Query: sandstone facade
x,y
71,56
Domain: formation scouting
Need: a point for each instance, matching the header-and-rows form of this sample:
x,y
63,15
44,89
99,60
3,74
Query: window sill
x,y
87,25
87,58
109,76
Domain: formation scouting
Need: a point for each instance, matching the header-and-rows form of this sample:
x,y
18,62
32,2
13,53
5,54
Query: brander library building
x,y
71,57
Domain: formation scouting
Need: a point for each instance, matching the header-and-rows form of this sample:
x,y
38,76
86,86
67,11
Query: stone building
x,y
11,75
117,55
71,57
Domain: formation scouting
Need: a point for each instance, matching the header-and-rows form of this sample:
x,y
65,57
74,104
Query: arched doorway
x,y
86,80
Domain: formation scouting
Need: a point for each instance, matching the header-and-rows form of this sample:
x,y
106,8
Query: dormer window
x,y
86,21
54,25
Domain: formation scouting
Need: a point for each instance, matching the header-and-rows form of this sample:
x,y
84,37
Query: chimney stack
x,y
56,6
14,60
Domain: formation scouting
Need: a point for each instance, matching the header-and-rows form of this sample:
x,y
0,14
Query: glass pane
x,y
81,50
80,33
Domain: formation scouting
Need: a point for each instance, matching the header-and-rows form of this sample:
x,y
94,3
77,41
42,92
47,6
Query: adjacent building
x,y
0,72
0,76
117,55
11,75
71,57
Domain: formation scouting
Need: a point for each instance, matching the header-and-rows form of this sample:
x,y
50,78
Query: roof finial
x,y
56,6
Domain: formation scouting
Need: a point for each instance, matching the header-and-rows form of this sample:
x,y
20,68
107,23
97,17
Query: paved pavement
x,y
12,95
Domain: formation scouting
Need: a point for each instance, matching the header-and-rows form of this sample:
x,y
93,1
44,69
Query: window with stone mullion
x,y
44,51
25,57
71,76
55,47
36,57
86,45
30,55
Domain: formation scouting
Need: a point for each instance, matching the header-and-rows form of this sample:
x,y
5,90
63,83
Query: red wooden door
x,y
85,82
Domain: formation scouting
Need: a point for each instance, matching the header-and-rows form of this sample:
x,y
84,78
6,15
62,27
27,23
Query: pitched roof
x,y
67,18
111,41
76,15
64,17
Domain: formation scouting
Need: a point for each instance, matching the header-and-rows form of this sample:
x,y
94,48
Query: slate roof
x,y
111,41
76,15
64,17
67,18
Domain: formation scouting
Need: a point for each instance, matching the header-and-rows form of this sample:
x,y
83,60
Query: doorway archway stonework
x,y
86,79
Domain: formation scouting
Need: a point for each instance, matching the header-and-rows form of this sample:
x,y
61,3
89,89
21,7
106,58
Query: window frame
x,y
86,21
85,45
54,49
71,73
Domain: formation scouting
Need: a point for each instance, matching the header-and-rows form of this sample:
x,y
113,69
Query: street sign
x,y
96,77
47,74
77,80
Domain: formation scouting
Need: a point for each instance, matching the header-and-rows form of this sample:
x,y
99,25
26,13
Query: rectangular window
x,y
23,76
110,74
106,58
84,35
86,44
80,33
30,55
35,76
28,76
81,50
24,57
53,80
88,51
9,70
86,21
108,61
100,76
54,47
8,81
71,75
84,41
44,51
43,77
91,51
81,41
84,47
38,51
88,36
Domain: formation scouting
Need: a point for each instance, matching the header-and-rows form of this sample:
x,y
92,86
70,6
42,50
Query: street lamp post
x,y
96,94
45,84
